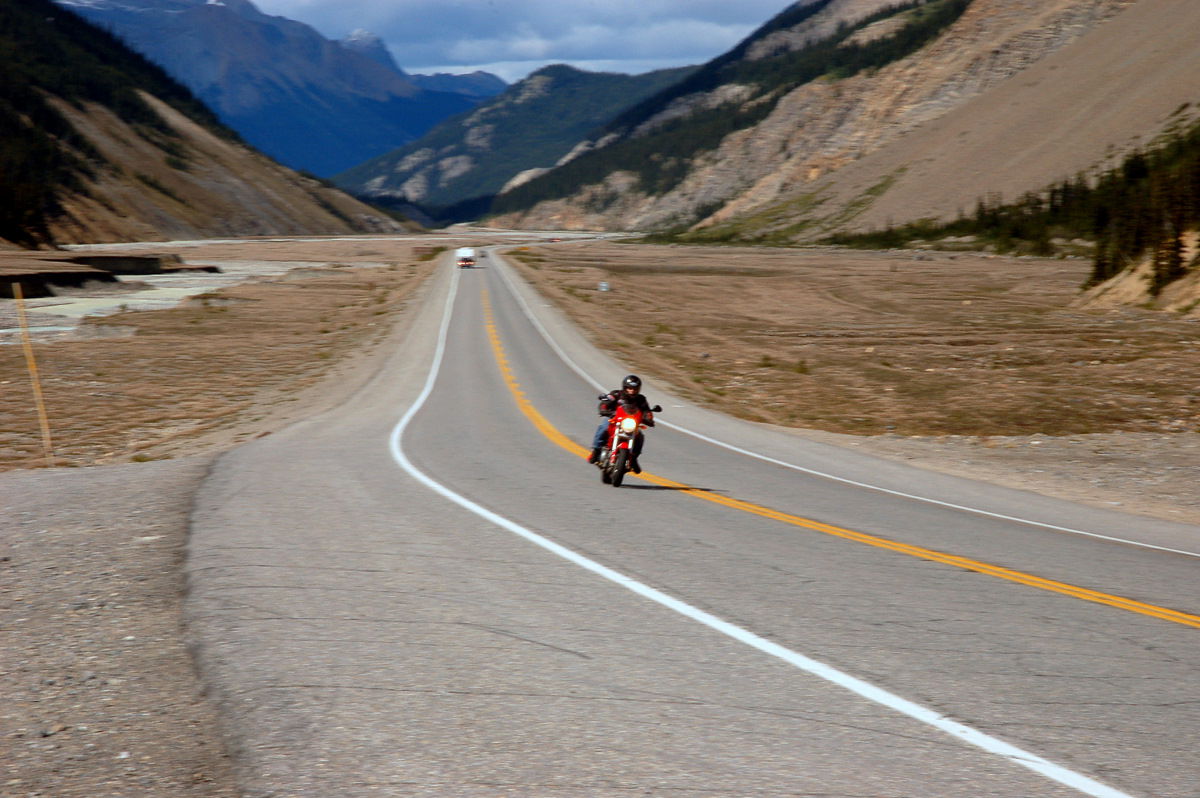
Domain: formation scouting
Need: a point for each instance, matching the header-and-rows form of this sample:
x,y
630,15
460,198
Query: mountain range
x,y
836,117
514,136
99,144
477,84
856,114
309,102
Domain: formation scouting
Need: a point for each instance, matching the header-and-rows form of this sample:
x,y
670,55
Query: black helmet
x,y
632,381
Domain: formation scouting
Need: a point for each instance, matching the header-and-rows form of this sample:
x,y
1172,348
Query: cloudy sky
x,y
511,38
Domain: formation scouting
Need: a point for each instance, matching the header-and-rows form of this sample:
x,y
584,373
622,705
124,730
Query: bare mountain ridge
x,y
887,147
1076,109
226,189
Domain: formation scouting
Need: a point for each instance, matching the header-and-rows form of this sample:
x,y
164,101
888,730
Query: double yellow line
x,y
551,432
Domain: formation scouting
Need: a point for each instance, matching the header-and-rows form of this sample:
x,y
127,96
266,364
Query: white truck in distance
x,y
465,257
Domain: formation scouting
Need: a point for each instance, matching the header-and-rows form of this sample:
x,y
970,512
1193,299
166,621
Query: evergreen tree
x,y
1141,208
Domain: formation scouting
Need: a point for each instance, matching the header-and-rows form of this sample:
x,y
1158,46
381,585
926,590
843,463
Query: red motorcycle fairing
x,y
626,424
619,438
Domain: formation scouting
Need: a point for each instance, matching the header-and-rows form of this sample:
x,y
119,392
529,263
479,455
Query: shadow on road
x,y
670,487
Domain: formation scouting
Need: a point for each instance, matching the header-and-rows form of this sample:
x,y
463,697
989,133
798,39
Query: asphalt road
x,y
429,592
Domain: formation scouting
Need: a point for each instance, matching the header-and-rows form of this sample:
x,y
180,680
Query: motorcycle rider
x,y
630,391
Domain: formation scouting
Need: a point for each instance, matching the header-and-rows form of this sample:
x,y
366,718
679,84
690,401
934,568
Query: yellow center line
x,y
1000,572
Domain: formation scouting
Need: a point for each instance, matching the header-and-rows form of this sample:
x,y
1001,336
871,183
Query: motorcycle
x,y
623,429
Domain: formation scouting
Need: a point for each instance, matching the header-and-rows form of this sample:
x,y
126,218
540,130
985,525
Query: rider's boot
x,y
633,465
595,455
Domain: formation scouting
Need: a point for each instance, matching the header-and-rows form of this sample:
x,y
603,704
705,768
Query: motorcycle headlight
x,y
629,425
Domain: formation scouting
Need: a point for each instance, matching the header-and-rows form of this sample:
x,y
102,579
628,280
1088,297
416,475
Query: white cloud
x,y
467,34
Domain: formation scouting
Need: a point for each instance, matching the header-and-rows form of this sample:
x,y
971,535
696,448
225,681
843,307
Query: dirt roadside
x,y
217,369
982,357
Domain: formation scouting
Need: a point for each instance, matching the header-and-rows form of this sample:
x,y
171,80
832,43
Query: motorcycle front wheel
x,y
619,468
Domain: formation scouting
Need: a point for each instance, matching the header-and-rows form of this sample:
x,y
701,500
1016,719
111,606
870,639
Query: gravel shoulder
x,y
101,696
102,699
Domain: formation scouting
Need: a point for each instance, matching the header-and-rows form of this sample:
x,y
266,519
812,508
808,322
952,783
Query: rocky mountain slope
x,y
1013,95
129,153
309,102
225,189
1053,101
514,136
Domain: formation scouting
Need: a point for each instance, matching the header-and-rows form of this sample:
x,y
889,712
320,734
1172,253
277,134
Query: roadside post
x,y
31,363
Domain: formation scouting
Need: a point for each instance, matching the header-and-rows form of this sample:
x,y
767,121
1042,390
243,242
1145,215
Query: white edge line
x,y
866,486
878,695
